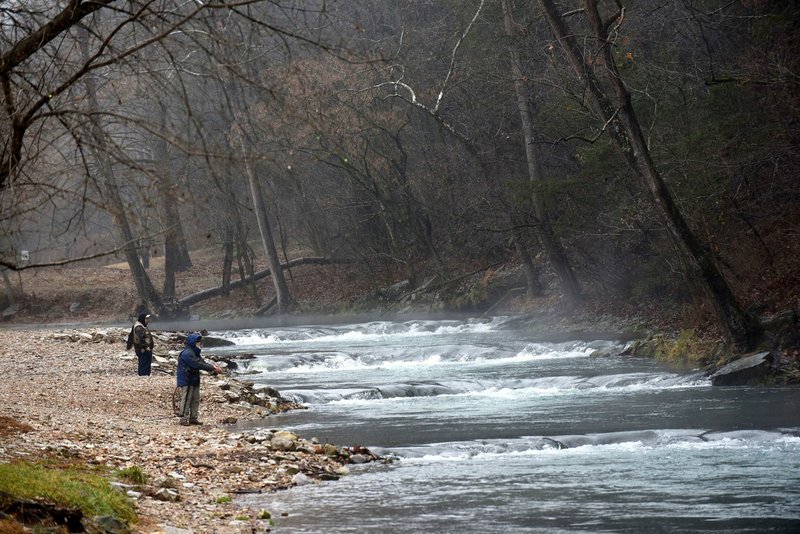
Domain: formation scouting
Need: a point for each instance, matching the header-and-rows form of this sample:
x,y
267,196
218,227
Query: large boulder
x,y
752,369
284,441
210,341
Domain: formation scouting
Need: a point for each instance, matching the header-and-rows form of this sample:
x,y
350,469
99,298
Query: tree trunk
x,y
418,220
227,258
556,255
10,293
247,261
262,217
144,286
176,254
534,287
741,329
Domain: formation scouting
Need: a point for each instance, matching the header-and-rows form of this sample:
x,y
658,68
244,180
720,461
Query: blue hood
x,y
193,338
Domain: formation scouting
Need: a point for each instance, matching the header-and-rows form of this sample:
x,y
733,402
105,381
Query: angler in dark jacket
x,y
142,342
190,363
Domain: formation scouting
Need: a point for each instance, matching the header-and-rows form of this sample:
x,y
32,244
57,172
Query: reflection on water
x,y
495,432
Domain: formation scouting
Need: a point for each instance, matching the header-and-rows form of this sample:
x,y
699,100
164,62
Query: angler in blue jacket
x,y
190,363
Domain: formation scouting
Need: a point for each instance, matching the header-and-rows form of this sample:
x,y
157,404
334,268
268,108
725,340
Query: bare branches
x,y
105,253
20,113
433,109
453,55
32,43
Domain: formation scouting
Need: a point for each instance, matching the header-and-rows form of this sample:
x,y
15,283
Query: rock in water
x,y
751,369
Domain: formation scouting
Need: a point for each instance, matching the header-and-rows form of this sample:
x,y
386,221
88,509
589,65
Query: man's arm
x,y
196,362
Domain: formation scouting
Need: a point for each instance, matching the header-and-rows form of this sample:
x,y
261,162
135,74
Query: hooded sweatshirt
x,y
190,363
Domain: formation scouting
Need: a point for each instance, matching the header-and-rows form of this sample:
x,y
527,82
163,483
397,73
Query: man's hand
x,y
217,369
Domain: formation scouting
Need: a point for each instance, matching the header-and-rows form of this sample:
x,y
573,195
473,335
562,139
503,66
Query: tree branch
x,y
194,298
26,47
453,56
61,263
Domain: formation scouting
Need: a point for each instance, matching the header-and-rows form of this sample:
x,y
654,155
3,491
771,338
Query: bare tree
x,y
99,149
282,295
620,117
42,78
544,231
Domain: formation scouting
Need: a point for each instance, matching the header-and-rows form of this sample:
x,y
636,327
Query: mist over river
x,y
496,432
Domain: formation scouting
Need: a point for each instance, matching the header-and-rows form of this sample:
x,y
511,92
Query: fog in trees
x,y
419,140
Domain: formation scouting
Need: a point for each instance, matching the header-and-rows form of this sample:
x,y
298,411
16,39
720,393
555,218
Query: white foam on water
x,y
444,356
346,363
359,333
645,442
509,390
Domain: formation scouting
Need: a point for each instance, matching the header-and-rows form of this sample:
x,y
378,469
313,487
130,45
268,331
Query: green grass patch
x,y
133,474
70,487
686,347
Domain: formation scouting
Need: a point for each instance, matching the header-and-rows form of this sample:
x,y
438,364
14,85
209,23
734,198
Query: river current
x,y
494,431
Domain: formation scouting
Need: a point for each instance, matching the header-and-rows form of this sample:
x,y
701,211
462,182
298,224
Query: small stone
x,y
166,495
283,443
231,396
104,524
292,469
232,469
300,479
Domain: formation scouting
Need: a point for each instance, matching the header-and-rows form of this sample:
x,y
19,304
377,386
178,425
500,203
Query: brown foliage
x,y
10,426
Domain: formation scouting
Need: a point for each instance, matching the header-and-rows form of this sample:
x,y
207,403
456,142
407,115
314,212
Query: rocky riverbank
x,y
74,396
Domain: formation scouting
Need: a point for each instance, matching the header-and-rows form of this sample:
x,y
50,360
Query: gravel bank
x,y
67,396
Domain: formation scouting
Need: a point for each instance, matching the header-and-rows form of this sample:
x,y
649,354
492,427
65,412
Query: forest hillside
x,y
562,158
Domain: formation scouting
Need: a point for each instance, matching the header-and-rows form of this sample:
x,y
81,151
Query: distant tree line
x,y
628,150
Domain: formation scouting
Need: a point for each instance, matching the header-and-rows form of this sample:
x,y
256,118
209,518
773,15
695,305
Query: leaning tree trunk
x,y
741,329
284,299
544,230
144,286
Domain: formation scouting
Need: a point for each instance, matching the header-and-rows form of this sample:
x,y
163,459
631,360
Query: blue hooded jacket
x,y
190,363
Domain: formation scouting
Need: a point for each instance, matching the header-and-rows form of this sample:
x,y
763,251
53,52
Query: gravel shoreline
x,y
68,395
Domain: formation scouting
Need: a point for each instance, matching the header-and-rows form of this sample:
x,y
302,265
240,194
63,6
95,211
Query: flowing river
x,y
496,432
